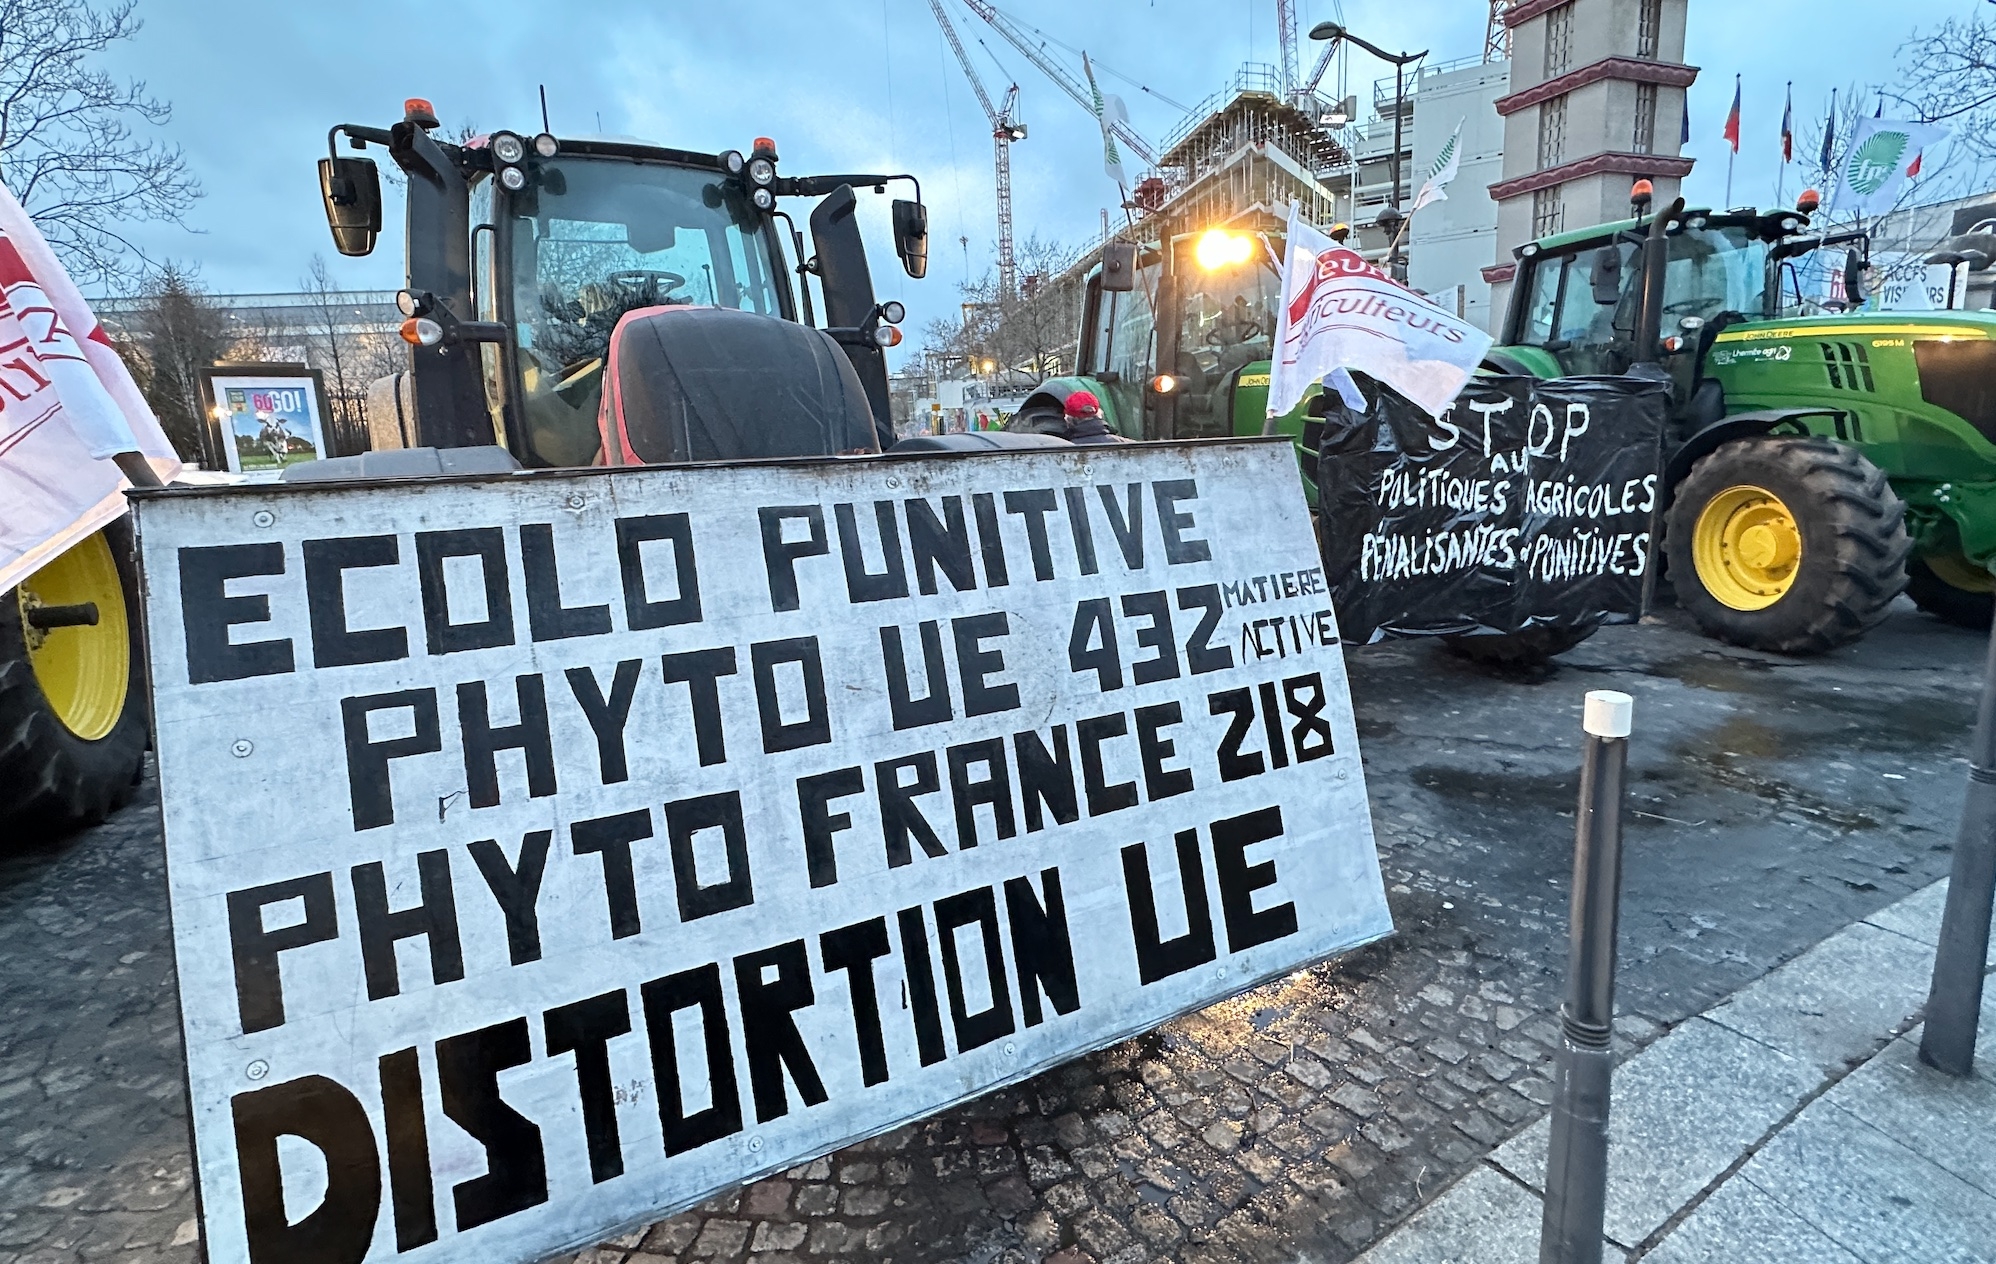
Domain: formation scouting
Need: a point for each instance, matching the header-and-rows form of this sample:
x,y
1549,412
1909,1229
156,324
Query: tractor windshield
x,y
1226,321
594,238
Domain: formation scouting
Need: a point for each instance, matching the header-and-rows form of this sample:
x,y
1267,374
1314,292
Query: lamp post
x,y
1334,32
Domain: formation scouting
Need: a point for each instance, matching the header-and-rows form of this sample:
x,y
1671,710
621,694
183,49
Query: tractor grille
x,y
1848,366
1960,377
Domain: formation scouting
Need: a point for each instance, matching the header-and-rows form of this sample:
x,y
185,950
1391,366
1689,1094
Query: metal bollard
x,y
1577,1161
1954,1003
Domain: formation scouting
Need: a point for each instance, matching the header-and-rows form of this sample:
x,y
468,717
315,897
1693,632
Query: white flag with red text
x,y
67,405
1340,312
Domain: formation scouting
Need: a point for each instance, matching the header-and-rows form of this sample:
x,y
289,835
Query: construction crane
x,y
1062,78
1005,128
1285,38
1497,35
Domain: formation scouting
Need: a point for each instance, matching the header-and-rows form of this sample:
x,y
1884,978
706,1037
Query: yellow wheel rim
x,y
84,672
1746,547
1959,572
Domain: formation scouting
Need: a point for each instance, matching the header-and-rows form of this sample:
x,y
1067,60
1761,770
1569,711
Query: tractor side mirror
x,y
1853,278
911,236
351,188
1606,276
1119,267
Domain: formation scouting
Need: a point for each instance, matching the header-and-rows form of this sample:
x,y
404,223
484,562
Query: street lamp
x,y
1334,32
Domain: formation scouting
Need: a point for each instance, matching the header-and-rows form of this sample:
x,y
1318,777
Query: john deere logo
x,y
1875,161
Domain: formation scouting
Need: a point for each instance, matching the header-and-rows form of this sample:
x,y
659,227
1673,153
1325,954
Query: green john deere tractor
x,y
1825,456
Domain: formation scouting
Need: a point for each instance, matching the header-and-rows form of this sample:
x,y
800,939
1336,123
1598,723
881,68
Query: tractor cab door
x,y
1581,307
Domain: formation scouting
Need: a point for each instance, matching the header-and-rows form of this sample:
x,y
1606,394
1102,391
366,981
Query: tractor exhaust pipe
x,y
1655,253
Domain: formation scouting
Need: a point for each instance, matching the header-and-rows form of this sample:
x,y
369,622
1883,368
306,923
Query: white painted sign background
x,y
257,791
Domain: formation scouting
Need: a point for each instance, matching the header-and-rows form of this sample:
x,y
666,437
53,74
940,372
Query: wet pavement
x,y
1774,802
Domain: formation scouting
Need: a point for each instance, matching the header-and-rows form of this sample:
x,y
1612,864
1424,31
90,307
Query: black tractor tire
x,y
53,782
1853,543
1959,606
1038,419
1519,649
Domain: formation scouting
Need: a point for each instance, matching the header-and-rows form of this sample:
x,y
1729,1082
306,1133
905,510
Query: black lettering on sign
x,y
899,817
1095,621
815,728
779,556
1079,527
1161,958
1163,663
1239,880
934,706
993,789
259,985
410,1189
862,584
978,908
1234,763
1126,522
327,1117
943,543
687,817
207,613
1160,782
334,644
433,918
585,1029
1172,524
641,611
611,837
772,986
516,889
921,981
1312,733
990,541
608,716
820,823
1201,655
368,787
482,742
722,1116
1045,778
516,1173
488,545
853,949
1103,797
1034,505
1271,725
975,665
699,669
1042,953
547,618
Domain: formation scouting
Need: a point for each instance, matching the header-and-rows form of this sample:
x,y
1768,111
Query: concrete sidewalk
x,y
1793,1122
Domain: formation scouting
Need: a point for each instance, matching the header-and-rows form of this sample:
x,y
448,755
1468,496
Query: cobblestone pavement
x,y
1774,802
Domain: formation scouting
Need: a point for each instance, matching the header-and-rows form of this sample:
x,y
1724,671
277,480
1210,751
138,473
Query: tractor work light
x,y
764,200
887,336
892,312
1164,384
1219,249
761,171
421,331
733,161
414,302
545,145
513,178
508,148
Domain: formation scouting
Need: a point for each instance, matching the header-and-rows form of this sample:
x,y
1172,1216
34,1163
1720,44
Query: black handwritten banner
x,y
1527,504
548,853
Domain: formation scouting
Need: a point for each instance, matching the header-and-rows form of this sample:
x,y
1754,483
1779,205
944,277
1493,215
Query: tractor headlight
x,y
513,178
761,171
732,160
892,312
508,148
545,145
764,200
413,302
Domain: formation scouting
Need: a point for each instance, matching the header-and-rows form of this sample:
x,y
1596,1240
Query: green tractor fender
x,y
1522,362
1710,438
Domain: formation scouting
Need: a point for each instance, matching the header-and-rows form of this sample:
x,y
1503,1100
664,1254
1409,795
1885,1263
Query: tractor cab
x,y
526,253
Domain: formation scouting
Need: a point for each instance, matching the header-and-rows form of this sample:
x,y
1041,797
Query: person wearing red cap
x,y
1082,413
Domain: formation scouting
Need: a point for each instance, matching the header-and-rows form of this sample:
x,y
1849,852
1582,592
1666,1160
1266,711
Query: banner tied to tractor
x,y
1525,504
550,853
67,405
1340,312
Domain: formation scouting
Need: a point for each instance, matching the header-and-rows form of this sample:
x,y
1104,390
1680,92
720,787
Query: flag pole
x,y
1730,155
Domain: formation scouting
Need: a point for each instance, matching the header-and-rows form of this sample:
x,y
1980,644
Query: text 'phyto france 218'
x,y
548,853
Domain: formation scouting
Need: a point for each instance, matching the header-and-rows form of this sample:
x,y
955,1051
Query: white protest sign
x,y
1340,312
547,853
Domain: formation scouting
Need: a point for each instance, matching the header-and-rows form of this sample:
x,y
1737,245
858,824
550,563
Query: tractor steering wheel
x,y
666,282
